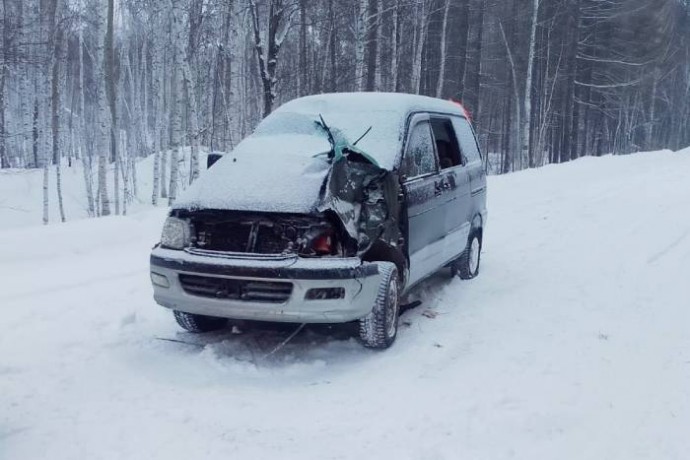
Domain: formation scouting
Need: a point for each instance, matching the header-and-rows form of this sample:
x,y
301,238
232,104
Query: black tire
x,y
467,267
379,328
199,323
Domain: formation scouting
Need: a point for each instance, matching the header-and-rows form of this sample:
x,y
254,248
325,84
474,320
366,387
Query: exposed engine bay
x,y
263,233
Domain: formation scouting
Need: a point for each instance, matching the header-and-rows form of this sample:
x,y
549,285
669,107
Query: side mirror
x,y
212,158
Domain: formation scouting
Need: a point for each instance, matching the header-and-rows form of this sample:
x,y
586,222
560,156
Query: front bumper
x,y
359,280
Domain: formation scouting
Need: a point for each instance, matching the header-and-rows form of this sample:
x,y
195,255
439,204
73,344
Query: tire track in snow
x,y
668,248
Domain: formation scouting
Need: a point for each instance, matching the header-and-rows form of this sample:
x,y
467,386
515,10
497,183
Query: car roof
x,y
385,113
401,103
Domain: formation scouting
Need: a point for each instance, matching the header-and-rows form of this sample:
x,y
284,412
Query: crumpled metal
x,y
363,195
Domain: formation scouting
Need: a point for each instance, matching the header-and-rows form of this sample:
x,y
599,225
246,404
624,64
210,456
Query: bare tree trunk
x,y
177,93
176,133
303,74
190,90
472,72
47,15
395,41
443,51
144,82
361,36
513,72
649,129
279,20
4,71
526,151
103,118
372,44
133,174
111,92
378,80
332,46
124,167
422,13
157,83
56,37
165,136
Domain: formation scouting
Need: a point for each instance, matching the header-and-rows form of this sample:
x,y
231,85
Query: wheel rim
x,y
474,255
392,306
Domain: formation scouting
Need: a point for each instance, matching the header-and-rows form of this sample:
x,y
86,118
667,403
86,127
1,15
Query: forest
x,y
108,82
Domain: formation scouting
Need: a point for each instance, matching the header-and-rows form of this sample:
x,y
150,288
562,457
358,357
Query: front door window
x,y
419,157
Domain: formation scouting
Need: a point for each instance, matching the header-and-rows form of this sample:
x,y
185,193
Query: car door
x,y
454,181
423,198
475,167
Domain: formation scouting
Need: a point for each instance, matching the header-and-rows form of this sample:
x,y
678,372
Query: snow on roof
x,y
400,103
354,113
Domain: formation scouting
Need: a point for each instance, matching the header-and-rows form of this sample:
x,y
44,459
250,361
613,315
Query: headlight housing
x,y
176,233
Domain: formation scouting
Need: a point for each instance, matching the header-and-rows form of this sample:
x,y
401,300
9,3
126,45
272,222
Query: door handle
x,y
438,188
442,186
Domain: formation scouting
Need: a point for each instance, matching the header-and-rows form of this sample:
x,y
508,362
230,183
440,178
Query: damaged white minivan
x,y
330,212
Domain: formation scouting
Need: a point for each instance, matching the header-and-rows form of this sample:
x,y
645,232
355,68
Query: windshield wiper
x,y
322,124
362,136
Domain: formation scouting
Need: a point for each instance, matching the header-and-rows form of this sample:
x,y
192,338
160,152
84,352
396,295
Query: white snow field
x,y
573,343
21,191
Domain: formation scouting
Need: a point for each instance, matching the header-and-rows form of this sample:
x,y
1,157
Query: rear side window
x,y
446,143
468,143
419,155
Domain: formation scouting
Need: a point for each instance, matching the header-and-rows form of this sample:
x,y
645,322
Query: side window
x,y
446,143
419,155
468,143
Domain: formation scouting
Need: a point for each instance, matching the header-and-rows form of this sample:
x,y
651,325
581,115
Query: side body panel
x,y
425,211
475,170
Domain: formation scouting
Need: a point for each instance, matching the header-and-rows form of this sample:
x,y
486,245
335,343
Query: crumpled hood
x,y
280,173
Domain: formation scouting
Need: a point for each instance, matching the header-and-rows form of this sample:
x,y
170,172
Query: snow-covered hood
x,y
269,173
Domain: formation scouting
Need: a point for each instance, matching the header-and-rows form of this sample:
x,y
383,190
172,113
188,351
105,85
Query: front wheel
x,y
199,323
468,263
380,327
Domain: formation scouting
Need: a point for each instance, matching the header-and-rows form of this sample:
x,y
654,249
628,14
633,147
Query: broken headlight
x,y
323,244
176,233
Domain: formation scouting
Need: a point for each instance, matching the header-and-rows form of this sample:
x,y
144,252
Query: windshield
x,y
382,142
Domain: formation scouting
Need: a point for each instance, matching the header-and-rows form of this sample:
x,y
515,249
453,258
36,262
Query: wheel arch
x,y
380,251
477,225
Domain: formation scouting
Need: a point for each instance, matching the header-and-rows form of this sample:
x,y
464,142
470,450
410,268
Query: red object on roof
x,y
464,110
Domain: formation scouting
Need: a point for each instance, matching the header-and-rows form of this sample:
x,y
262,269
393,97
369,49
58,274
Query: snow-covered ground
x,y
21,191
573,343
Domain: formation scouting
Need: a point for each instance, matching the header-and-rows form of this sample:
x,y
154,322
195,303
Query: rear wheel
x,y
379,328
199,323
467,265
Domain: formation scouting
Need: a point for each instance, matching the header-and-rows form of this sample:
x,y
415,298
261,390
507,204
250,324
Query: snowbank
x,y
21,192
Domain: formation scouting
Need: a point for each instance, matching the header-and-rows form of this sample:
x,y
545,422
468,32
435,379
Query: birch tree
x,y
104,114
4,74
443,50
527,115
177,93
420,34
56,40
85,153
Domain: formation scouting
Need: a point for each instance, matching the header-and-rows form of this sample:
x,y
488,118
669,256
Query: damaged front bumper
x,y
264,288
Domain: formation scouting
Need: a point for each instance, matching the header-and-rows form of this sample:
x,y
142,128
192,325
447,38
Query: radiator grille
x,y
236,289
